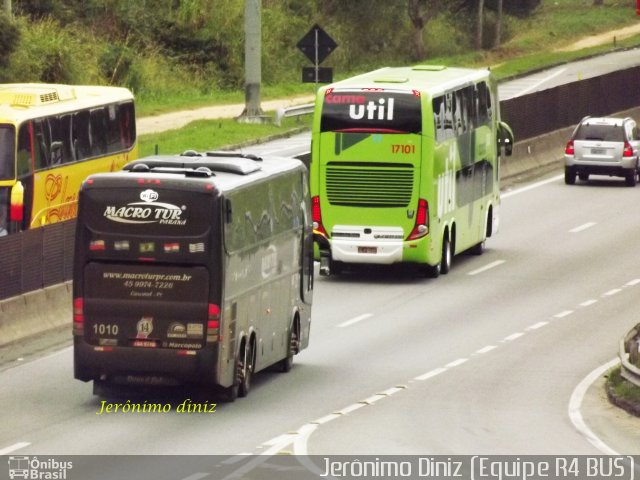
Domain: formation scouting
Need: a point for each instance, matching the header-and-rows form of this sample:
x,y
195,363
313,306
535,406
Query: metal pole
x,y
252,53
316,63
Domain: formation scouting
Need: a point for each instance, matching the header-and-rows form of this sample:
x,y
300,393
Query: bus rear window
x,y
147,211
7,152
382,111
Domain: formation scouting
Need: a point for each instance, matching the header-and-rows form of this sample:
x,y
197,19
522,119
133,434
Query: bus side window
x,y
24,162
127,121
113,140
80,135
438,118
59,151
98,132
448,115
41,143
484,104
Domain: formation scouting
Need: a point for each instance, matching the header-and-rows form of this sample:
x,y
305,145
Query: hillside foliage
x,y
159,46
171,47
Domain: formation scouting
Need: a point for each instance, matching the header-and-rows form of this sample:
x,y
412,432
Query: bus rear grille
x,y
369,185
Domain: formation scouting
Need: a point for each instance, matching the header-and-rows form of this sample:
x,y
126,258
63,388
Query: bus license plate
x,y
373,250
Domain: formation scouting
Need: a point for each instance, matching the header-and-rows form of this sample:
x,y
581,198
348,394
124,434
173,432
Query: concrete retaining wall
x,y
38,311
35,312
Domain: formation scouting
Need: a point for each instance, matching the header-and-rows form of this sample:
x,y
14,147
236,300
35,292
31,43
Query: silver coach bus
x,y
192,269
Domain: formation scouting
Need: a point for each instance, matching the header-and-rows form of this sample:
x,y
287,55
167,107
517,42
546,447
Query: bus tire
x,y
286,364
445,261
433,271
245,369
479,248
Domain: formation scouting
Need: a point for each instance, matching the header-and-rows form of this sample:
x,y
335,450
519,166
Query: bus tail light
x,y
78,316
316,216
17,202
421,227
213,323
627,150
569,150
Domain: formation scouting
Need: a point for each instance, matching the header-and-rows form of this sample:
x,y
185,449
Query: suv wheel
x,y
631,179
569,175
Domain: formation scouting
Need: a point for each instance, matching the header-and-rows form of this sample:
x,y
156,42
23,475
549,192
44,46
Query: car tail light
x,y
78,316
213,323
627,150
316,216
569,150
421,227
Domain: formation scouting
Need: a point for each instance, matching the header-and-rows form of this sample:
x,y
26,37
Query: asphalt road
x,y
482,360
489,359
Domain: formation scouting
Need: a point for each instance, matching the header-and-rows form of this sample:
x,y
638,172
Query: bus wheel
x,y
245,369
286,364
478,248
445,262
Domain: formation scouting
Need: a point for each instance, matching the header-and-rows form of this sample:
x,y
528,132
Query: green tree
x,y
9,38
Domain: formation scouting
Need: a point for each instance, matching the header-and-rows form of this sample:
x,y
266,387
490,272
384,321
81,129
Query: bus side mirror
x,y
16,210
505,138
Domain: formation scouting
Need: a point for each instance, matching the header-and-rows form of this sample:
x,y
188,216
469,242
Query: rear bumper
x,y
145,366
621,168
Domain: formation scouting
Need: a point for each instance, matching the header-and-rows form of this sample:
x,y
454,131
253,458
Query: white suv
x,y
603,146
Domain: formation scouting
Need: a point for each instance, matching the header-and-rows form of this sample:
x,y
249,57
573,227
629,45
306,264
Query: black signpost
x,y
317,45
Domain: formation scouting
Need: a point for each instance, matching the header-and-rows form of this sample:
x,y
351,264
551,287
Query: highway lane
x,y
483,360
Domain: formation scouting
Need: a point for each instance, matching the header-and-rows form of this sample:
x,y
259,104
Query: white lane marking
x,y
456,363
583,227
351,408
513,337
531,186
373,399
536,326
566,313
633,282
13,448
611,292
545,79
486,349
487,267
576,402
588,303
357,319
197,476
391,391
326,419
430,374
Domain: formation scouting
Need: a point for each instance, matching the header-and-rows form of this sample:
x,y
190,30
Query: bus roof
x,y
22,101
225,170
429,79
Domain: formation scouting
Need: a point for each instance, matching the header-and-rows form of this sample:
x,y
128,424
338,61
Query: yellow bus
x,y
51,138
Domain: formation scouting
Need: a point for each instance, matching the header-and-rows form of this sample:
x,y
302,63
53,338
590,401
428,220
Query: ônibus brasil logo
x,y
147,211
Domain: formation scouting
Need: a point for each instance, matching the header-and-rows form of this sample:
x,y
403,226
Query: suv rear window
x,y
603,133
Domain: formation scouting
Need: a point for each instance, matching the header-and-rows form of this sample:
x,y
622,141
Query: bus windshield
x,y
7,151
371,111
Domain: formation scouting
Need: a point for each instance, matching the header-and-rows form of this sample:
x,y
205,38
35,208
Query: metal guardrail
x,y
629,356
293,112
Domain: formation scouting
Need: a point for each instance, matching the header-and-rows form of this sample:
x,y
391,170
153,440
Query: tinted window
x,y
7,149
366,111
147,211
603,133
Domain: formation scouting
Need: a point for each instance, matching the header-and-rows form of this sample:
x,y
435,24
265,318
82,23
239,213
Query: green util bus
x,y
405,166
